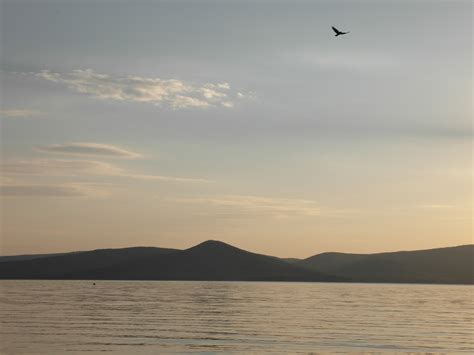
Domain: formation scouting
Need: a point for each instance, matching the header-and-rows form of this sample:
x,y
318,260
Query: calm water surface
x,y
157,317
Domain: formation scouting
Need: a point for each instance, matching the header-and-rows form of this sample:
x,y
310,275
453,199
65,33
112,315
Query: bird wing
x,y
335,29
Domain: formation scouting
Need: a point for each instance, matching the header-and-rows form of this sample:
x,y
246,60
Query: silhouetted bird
x,y
338,33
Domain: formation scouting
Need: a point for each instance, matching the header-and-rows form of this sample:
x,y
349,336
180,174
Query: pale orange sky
x,y
155,123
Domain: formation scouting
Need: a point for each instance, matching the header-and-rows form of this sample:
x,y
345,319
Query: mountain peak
x,y
212,243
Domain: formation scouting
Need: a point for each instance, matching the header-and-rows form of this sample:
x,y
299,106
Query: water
x,y
154,317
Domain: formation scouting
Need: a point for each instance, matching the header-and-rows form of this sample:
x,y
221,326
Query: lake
x,y
47,317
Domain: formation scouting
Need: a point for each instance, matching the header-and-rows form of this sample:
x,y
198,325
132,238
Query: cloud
x,y
66,167
228,104
165,178
247,96
90,149
45,190
277,207
19,113
58,167
172,93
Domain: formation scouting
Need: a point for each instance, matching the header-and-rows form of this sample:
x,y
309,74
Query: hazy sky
x,y
166,123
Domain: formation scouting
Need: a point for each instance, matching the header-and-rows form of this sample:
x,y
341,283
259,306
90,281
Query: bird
x,y
338,33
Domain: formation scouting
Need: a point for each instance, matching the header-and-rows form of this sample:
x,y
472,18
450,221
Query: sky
x,y
167,123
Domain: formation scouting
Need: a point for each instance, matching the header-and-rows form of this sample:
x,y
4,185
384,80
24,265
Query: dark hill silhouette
x,y
291,260
32,256
214,260
330,261
57,266
441,265
210,260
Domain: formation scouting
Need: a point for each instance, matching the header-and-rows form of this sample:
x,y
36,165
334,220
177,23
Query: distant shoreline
x,y
254,281
217,261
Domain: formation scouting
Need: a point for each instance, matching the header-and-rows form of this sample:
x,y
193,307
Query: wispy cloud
x,y
58,167
18,113
50,190
165,178
276,207
90,149
69,167
172,93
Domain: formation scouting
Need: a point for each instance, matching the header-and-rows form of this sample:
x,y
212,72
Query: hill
x,y
214,260
210,260
441,265
57,266
31,256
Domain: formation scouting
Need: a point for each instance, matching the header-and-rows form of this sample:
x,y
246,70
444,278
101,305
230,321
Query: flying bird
x,y
338,33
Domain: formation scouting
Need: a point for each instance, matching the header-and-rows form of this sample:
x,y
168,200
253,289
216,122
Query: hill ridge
x,y
216,260
436,265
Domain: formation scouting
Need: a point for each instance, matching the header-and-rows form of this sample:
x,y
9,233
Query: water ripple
x,y
74,316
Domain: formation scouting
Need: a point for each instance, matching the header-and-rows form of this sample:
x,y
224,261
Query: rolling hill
x,y
441,265
57,266
210,260
214,260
